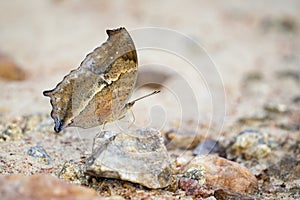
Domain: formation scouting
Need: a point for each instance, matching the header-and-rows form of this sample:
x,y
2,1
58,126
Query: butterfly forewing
x,y
98,90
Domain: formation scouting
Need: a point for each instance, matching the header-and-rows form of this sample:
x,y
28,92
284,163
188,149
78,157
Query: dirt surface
x,y
254,46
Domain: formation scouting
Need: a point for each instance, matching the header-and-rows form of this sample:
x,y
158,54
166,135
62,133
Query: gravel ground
x,y
254,46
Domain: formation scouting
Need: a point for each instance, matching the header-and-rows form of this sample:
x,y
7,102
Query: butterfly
x,y
97,91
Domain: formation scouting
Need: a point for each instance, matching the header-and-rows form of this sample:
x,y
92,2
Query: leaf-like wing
x,y
97,91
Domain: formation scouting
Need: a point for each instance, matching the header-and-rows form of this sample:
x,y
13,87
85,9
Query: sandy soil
x,y
254,46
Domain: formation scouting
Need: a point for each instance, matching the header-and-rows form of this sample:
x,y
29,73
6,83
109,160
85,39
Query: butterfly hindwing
x,y
97,91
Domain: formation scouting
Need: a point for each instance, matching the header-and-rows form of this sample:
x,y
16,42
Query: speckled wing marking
x,y
98,90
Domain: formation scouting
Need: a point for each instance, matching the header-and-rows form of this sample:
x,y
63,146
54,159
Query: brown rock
x,y
224,174
41,187
10,70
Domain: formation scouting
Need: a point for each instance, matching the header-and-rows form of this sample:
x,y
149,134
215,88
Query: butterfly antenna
x,y
148,95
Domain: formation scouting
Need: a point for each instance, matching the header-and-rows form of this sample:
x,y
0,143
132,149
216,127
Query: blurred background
x,y
41,41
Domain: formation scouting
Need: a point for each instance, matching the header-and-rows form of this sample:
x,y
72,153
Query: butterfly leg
x,y
63,169
133,121
103,127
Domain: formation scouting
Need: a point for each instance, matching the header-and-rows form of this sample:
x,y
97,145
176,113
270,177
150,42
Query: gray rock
x,y
196,174
138,156
39,152
208,146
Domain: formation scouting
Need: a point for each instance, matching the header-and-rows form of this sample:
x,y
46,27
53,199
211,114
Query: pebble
x,y
9,70
251,144
193,188
39,152
182,139
196,174
296,99
72,172
287,169
207,146
279,24
13,129
276,108
42,186
223,194
221,173
37,122
10,132
138,156
256,119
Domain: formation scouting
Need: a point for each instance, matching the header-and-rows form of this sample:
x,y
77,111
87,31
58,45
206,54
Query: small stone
x,y
182,139
39,152
287,169
253,77
290,126
42,186
193,188
251,144
224,174
208,146
223,194
276,108
9,70
11,132
289,74
138,156
72,172
285,23
181,161
254,119
37,122
296,99
196,174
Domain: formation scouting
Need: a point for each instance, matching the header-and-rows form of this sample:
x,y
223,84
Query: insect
x,y
97,91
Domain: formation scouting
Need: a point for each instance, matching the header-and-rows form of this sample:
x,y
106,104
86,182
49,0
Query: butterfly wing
x,y
99,88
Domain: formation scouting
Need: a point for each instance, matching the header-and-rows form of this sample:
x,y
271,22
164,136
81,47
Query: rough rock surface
x,y
251,144
139,157
224,174
42,186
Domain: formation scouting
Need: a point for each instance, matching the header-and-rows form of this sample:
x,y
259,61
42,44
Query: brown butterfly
x,y
99,89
